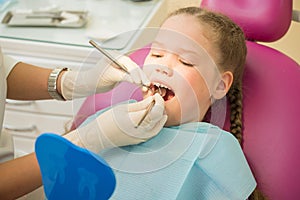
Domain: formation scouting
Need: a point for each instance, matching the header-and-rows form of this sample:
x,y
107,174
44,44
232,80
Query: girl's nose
x,y
167,65
164,70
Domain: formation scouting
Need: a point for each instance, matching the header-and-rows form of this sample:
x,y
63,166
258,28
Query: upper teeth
x,y
161,85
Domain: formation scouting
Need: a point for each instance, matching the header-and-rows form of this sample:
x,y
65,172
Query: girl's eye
x,y
156,54
186,63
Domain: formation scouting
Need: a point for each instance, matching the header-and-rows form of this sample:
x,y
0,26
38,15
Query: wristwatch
x,y
52,84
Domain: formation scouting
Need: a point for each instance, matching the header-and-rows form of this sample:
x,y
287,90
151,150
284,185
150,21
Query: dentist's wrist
x,y
54,83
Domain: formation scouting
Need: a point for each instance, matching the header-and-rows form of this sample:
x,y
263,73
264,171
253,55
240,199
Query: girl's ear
x,y
223,85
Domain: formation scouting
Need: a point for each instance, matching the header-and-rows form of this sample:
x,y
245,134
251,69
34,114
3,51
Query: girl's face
x,y
180,68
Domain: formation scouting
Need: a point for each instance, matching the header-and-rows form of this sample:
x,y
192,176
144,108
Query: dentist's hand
x,y
116,127
101,78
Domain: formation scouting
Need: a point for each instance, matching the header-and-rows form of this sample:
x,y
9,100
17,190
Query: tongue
x,y
169,95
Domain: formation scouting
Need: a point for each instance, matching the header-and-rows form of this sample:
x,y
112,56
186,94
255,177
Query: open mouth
x,y
164,91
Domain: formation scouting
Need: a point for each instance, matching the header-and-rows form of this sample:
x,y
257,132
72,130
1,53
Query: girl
x,y
224,42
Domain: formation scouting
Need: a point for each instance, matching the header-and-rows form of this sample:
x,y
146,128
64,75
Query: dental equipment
x,y
148,108
110,57
146,113
122,67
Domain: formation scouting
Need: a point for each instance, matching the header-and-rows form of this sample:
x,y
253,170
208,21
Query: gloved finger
x,y
144,78
159,100
118,74
128,63
137,76
153,129
157,111
141,105
133,77
105,63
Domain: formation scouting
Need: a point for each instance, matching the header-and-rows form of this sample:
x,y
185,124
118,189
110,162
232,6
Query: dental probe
x,y
148,108
146,113
110,57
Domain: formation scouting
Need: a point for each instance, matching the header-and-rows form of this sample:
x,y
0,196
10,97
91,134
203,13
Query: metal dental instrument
x,y
146,113
148,109
110,57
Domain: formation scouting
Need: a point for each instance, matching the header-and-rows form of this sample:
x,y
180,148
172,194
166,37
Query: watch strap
x,y
52,84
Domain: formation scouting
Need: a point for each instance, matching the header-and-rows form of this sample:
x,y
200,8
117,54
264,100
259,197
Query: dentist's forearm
x,y
28,82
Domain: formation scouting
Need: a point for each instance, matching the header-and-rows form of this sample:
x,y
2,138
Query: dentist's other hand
x,y
116,126
101,78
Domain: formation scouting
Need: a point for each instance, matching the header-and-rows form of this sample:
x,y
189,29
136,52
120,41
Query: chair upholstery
x,y
271,88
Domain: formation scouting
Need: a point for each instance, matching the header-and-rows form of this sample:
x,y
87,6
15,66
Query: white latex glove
x,y
100,78
117,126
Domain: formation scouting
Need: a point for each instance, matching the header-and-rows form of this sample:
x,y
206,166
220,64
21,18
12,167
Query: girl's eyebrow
x,y
188,51
157,43
179,50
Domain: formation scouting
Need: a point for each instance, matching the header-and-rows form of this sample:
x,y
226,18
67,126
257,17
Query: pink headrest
x,y
261,20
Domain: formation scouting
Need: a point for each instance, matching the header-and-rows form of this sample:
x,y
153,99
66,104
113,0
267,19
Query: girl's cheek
x,y
148,60
148,69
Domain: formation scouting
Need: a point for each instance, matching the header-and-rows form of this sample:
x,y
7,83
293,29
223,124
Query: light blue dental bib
x,y
191,161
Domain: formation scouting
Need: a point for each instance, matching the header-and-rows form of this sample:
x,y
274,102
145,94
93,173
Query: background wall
x,y
289,44
174,4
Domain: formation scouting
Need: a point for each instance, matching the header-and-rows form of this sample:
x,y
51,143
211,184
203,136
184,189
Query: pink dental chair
x,y
271,135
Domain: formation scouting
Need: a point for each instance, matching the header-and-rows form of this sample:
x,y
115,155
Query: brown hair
x,y
229,39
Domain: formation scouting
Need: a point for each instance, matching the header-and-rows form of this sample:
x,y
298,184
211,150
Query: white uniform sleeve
x,y
6,144
8,64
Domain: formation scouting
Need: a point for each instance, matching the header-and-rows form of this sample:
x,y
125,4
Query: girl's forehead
x,y
186,49
186,31
180,44
186,24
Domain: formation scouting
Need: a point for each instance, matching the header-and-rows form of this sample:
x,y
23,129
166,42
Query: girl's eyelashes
x,y
156,54
189,64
